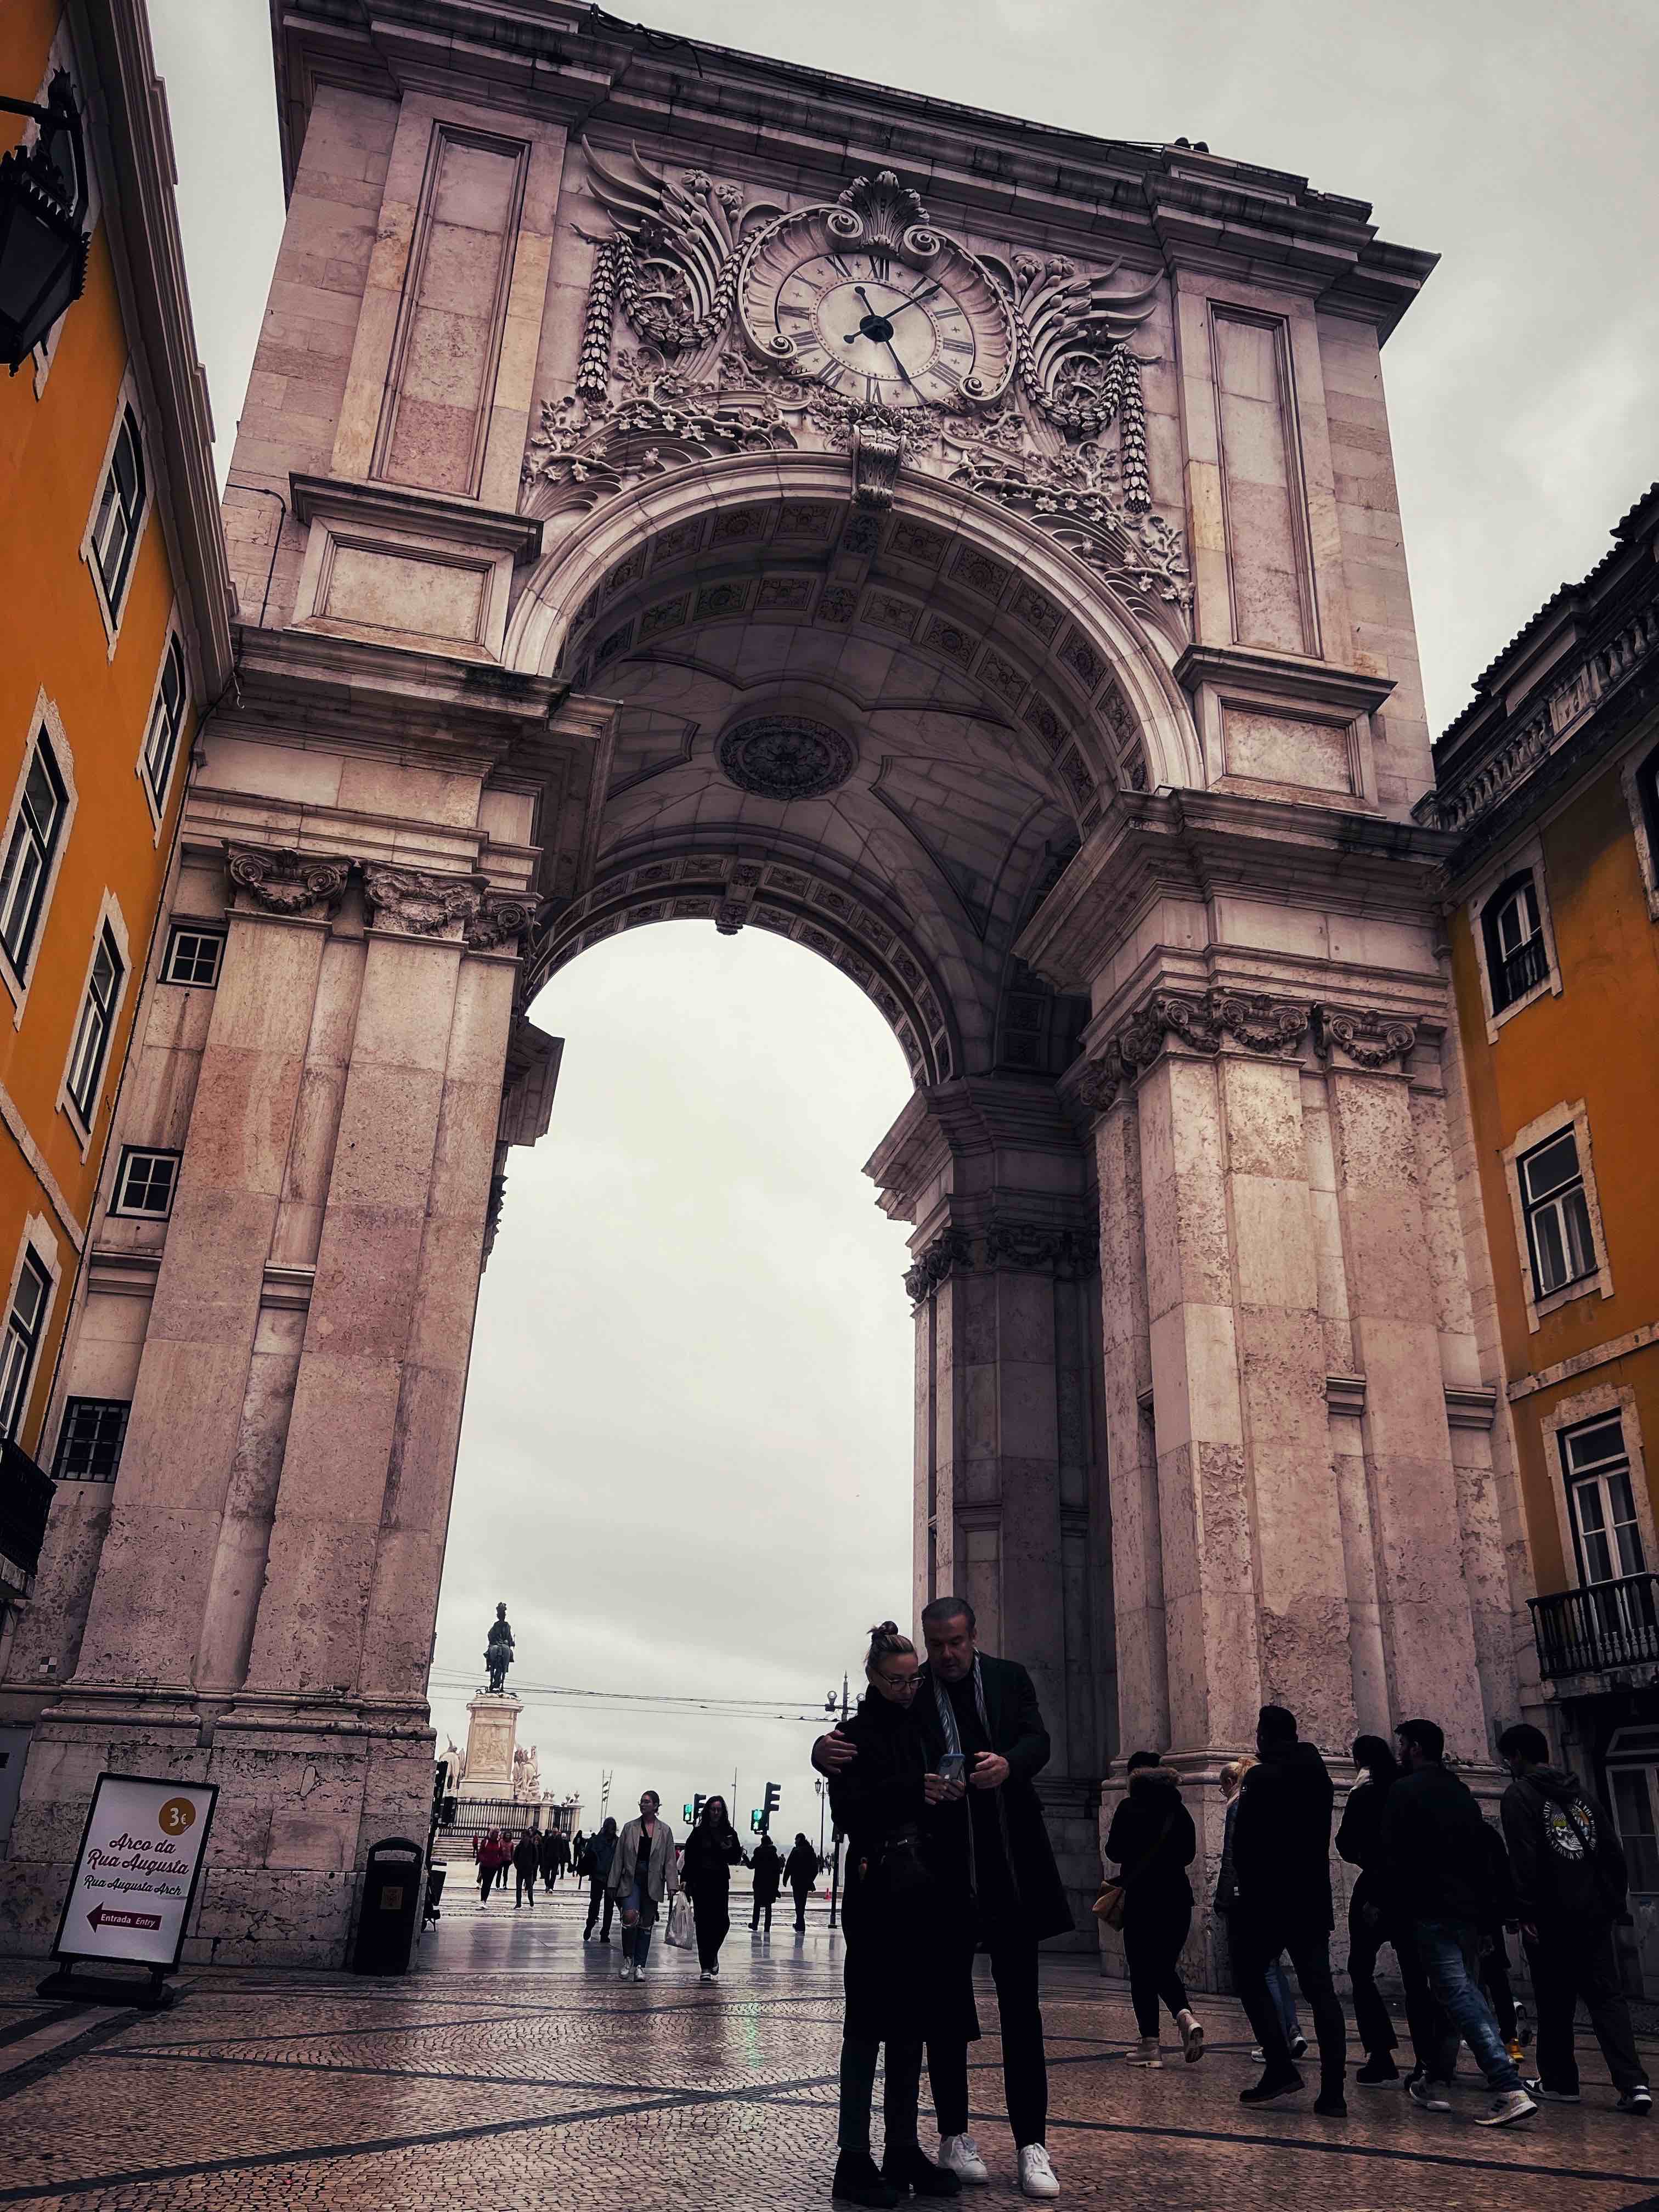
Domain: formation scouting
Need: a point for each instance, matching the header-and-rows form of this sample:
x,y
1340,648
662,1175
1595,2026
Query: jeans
x,y
1572,1959
1153,1934
636,1939
597,1896
1279,1989
1256,1946
1024,2068
1449,1953
526,1887
1366,1936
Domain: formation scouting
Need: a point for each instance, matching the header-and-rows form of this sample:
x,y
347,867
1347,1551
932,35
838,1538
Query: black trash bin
x,y
392,1895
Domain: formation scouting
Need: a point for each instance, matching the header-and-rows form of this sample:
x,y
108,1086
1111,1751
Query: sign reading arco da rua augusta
x,y
137,1871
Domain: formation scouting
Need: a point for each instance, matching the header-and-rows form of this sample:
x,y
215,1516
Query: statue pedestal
x,y
492,1728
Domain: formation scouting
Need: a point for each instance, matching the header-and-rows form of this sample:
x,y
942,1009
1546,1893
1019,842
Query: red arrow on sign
x,y
102,1916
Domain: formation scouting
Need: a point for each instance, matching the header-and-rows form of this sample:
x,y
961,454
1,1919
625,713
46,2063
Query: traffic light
x,y
694,1810
688,1816
755,1827
770,1806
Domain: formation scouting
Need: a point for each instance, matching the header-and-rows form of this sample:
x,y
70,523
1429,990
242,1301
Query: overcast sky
x,y
686,1459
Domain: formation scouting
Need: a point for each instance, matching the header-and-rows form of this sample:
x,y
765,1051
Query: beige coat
x,y
663,1874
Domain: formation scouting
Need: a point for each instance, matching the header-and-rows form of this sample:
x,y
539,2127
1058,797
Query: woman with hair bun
x,y
900,1988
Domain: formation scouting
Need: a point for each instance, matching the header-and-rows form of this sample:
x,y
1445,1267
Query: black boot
x,y
1331,2104
1269,2086
907,2166
857,2182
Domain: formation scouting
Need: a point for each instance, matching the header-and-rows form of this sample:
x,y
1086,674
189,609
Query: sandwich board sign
x,y
137,1873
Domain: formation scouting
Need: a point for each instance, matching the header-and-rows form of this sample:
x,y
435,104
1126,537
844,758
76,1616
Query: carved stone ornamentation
x,y
785,756
948,1251
877,452
288,882
1257,1022
1370,1039
1036,1248
1169,1013
501,914
419,904
1095,1090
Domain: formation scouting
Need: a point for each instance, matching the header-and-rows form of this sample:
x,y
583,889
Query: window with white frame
x,y
36,836
1633,1773
166,720
89,1443
24,1326
1560,1246
1517,956
1596,1467
144,1182
193,955
114,534
95,1027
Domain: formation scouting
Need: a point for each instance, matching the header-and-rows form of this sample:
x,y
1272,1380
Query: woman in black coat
x,y
1359,1840
901,1980
800,1871
1153,1842
711,1850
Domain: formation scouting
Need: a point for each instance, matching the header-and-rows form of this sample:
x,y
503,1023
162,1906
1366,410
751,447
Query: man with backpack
x,y
1571,1881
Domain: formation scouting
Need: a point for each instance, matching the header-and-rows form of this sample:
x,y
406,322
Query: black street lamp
x,y
43,204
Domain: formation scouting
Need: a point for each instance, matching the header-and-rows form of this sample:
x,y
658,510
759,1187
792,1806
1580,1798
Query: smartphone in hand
x,y
953,1766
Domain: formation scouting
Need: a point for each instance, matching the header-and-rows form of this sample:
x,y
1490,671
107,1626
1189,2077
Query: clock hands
x,y
902,370
912,299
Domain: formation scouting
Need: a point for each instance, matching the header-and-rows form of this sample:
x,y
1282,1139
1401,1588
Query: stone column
x,y
1425,1616
1012,1510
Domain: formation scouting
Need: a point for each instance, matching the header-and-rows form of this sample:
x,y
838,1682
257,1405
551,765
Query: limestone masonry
x,y
674,484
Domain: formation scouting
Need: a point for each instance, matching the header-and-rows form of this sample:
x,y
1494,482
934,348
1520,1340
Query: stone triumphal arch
x,y
675,486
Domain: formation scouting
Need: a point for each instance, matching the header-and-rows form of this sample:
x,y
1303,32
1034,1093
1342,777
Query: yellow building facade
x,y
114,631
1550,782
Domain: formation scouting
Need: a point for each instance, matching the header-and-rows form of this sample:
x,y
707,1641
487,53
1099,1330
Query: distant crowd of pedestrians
x,y
1438,1884
533,1854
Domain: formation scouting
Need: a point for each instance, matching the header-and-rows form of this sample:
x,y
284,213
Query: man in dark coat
x,y
1571,1882
1436,1860
1282,1866
767,1863
800,1871
526,1865
987,1710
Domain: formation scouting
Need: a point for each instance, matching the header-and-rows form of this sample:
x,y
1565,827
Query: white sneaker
x,y
625,1972
705,1976
959,2154
639,1973
715,1971
1192,2037
1507,2105
1036,2176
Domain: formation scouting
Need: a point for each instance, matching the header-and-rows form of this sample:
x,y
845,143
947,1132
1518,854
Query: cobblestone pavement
x,y
511,2069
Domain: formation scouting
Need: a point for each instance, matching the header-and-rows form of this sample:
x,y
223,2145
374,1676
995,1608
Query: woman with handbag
x,y
643,1871
901,1986
1153,1841
711,1850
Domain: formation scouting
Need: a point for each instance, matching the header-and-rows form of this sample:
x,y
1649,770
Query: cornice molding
x,y
1004,1245
463,522
1242,669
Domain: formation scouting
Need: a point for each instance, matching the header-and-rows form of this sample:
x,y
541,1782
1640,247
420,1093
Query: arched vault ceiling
x,y
977,730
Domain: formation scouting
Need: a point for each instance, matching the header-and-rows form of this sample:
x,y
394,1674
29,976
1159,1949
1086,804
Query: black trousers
x,y
1153,1933
1573,1960
525,1886
1495,1981
802,1893
1256,1943
762,1905
712,1909
1024,2068
597,1894
1366,1936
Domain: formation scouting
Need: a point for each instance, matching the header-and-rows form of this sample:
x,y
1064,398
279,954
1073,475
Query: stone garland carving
x,y
287,882
407,899
1369,1040
1260,1023
1027,1247
411,900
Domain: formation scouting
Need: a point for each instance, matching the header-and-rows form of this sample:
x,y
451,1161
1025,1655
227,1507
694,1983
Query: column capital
x,y
1200,1023
1069,1251
1363,1037
278,880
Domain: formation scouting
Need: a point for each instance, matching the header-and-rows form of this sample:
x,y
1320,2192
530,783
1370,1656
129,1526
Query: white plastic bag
x,y
682,1930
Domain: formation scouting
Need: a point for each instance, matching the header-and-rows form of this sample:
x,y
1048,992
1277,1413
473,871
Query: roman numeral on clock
x,y
956,345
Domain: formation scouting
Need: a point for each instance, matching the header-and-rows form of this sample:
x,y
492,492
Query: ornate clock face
x,y
875,323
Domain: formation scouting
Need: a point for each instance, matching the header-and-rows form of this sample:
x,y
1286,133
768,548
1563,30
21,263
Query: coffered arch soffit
x,y
1047,644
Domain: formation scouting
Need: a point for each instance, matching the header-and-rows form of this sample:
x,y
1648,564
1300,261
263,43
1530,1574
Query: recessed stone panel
x,y
1287,749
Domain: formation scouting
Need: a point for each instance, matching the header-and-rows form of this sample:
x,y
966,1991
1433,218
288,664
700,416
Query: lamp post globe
x,y
43,204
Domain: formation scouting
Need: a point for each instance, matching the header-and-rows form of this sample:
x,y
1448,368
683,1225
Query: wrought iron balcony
x,y
1528,965
1588,1631
25,1502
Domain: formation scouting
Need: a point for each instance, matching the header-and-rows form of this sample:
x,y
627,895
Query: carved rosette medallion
x,y
416,903
287,882
785,756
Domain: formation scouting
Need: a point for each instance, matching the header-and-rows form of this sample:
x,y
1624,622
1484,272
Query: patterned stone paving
x,y
511,2069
